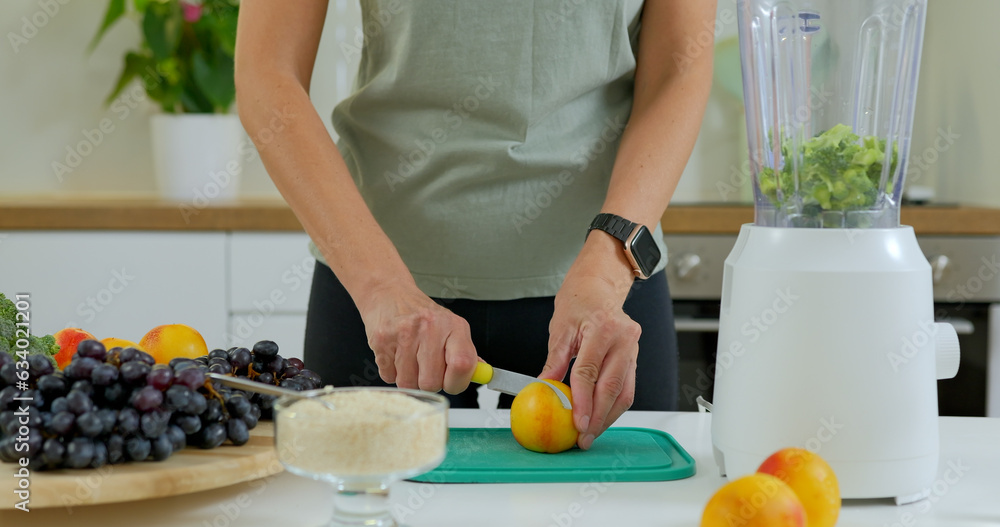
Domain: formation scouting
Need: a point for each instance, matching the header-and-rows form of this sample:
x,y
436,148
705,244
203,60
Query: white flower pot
x,y
196,157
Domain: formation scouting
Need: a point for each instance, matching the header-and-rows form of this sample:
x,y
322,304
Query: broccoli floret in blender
x,y
839,171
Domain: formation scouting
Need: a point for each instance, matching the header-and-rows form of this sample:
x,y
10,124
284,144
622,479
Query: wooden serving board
x,y
190,470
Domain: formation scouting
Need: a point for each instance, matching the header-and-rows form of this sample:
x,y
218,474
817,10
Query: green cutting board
x,y
491,455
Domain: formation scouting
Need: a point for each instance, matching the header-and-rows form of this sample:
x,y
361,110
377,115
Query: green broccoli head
x,y
8,314
45,345
7,309
837,170
7,328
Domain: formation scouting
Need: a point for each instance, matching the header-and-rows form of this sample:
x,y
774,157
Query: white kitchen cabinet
x,y
234,287
270,276
269,272
118,283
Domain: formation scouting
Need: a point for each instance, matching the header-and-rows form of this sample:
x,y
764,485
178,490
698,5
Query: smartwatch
x,y
640,248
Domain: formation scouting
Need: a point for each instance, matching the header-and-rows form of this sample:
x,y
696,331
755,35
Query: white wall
x,y
959,89
51,90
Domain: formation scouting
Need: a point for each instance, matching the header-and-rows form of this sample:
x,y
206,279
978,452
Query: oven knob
x,y
687,266
939,266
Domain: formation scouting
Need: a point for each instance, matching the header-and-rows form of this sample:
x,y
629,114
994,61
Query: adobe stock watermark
x,y
752,330
376,22
564,10
246,151
912,345
122,107
581,158
95,304
825,432
451,290
592,491
739,175
758,325
750,505
85,486
962,293
32,24
954,472
703,41
292,279
231,511
419,494
453,119
921,162
551,190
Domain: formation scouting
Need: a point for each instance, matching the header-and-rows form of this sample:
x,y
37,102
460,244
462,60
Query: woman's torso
x,y
482,134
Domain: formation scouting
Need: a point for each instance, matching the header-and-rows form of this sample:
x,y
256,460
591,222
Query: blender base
x,y
827,342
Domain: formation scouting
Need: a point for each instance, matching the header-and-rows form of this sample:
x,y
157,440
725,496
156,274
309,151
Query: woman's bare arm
x,y
275,51
276,48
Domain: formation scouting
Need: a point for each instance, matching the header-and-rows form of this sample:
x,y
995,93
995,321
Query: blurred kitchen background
x,y
54,89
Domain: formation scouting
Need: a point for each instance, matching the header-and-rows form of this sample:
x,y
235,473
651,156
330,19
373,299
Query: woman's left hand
x,y
589,324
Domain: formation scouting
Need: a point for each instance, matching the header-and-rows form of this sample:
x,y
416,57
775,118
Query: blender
x,y
827,336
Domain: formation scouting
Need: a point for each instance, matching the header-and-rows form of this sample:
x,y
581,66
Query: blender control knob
x,y
687,264
939,266
946,349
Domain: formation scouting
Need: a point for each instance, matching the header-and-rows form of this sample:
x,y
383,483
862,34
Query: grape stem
x,y
217,395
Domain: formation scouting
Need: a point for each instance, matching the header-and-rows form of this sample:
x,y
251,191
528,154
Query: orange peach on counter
x,y
757,500
67,340
173,340
813,481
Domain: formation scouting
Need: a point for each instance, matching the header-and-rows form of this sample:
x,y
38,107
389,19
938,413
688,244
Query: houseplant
x,y
185,65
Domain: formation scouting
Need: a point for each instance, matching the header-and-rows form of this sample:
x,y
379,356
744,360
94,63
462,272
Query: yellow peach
x,y
173,340
757,500
813,481
538,420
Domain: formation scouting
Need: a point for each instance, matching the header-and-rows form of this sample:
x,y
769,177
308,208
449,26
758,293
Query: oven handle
x,y
711,325
696,325
963,326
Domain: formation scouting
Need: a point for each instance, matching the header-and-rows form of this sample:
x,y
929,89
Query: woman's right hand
x,y
417,343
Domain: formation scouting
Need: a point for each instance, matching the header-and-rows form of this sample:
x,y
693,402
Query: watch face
x,y
645,251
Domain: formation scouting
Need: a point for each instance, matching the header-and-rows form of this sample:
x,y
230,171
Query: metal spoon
x,y
269,389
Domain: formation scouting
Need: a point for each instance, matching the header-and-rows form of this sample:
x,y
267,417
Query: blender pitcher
x,y
829,89
827,338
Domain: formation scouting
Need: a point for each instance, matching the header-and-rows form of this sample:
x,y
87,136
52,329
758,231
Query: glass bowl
x,y
361,440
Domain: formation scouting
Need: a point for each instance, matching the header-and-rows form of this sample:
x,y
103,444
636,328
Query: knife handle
x,y
483,373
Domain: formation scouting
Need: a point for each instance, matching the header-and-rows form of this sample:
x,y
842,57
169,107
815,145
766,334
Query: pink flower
x,y
192,12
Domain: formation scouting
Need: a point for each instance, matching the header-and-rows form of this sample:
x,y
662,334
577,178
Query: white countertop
x,y
968,497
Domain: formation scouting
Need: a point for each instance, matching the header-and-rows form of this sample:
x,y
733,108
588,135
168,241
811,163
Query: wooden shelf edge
x,y
275,216
148,216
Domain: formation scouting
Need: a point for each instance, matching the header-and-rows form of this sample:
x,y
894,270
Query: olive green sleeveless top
x,y
482,134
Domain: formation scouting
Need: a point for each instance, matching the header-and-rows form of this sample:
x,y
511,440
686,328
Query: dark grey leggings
x,y
509,334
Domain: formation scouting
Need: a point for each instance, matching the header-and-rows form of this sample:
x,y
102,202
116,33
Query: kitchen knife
x,y
510,382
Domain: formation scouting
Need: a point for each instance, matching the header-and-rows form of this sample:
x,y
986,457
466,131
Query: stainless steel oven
x,y
966,274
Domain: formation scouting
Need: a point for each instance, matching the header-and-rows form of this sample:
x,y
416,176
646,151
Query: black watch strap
x,y
612,224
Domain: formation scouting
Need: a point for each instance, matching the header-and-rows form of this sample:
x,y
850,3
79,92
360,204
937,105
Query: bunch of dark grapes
x,y
108,407
262,364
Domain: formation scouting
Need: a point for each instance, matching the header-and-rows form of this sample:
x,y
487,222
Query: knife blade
x,y
509,382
